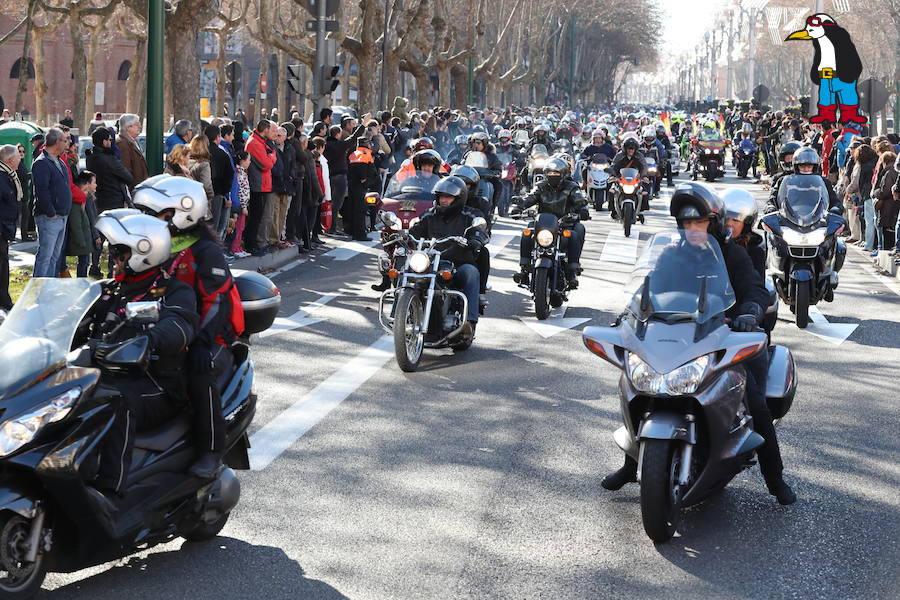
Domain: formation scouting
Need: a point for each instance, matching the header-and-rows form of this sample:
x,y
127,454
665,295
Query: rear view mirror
x,y
479,223
390,220
142,313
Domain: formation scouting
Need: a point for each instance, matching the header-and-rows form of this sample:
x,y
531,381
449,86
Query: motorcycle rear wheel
x,y
207,531
710,173
20,580
660,500
801,305
409,334
627,218
541,293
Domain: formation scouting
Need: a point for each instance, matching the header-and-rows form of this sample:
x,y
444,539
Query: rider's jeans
x,y
467,280
575,243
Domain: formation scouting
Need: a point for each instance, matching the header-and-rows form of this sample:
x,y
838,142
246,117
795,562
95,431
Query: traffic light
x,y
233,74
294,78
328,79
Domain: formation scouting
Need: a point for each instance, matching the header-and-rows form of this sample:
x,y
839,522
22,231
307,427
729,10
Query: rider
x,y
540,135
199,261
697,208
462,146
481,206
426,166
598,145
805,161
653,148
560,196
663,138
451,217
629,158
138,246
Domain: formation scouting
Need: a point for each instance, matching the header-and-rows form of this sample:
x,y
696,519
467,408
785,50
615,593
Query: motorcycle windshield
x,y
599,161
417,186
680,275
521,137
476,159
504,158
37,334
539,151
803,199
629,174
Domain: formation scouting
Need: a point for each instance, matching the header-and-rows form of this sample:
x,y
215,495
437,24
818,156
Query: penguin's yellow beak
x,y
799,35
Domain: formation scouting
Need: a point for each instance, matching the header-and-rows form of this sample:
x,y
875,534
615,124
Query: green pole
x,y
470,83
156,23
572,66
897,106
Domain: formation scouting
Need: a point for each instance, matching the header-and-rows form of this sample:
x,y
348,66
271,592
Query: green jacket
x,y
80,240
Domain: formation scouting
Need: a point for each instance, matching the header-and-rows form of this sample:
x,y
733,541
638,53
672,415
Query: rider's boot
x,y
626,474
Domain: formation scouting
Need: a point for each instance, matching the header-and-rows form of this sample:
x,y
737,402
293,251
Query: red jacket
x,y
827,145
263,159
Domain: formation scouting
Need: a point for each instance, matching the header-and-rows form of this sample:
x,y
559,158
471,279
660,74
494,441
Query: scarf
x,y
14,177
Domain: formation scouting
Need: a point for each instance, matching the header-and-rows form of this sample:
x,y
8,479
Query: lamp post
x,y
156,23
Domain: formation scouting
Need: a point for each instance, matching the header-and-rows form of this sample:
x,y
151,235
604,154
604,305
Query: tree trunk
x,y
90,71
134,90
345,85
366,80
460,81
423,90
23,62
222,37
444,86
391,70
40,83
183,28
79,65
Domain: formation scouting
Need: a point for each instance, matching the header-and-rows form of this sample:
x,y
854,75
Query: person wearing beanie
x,y
113,179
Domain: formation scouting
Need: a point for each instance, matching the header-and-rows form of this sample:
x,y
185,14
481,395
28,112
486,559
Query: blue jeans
x,y
468,281
51,235
834,91
869,216
897,235
84,261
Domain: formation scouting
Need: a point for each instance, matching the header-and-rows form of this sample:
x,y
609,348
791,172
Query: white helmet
x,y
164,192
147,237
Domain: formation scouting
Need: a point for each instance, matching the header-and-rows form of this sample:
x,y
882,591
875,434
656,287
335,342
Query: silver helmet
x,y
146,236
740,206
169,192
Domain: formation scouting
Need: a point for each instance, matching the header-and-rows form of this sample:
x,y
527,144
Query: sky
x,y
685,21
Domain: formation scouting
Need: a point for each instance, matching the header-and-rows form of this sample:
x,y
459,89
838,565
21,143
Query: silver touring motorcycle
x,y
683,386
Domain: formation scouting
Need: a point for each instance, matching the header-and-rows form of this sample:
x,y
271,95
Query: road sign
x,y
760,93
263,83
294,78
873,96
331,7
312,25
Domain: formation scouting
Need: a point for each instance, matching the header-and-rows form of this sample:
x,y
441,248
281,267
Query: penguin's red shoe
x,y
849,114
826,113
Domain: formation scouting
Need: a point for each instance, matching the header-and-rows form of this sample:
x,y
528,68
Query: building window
x,y
124,70
14,72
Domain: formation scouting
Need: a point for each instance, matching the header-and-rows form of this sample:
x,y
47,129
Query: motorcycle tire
x,y
541,293
627,218
801,305
597,199
207,531
26,580
409,345
710,173
660,504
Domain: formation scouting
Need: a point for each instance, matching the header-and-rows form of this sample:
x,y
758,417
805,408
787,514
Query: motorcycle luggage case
x,y
260,299
782,381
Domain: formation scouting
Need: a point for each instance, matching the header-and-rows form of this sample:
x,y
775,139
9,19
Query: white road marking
x,y
18,259
499,241
348,250
890,283
620,249
833,333
278,435
553,324
298,319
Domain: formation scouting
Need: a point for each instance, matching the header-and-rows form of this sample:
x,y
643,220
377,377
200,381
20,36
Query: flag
x,y
722,123
667,123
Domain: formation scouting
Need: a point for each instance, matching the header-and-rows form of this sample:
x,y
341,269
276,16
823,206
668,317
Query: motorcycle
x,y
708,159
508,176
628,198
597,180
59,396
652,175
683,385
424,311
536,161
550,282
479,161
804,251
744,154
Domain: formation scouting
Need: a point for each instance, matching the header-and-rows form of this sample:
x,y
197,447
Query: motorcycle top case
x,y
260,299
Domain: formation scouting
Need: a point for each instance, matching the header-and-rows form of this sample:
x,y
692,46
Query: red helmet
x,y
423,143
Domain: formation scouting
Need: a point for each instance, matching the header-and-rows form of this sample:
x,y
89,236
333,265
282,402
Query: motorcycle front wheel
x,y
627,218
19,580
541,293
409,331
801,305
660,498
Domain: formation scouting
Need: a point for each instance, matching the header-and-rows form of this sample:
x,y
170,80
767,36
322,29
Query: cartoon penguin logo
x,y
836,68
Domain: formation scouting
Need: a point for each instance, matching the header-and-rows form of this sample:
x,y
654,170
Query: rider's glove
x,y
474,245
749,318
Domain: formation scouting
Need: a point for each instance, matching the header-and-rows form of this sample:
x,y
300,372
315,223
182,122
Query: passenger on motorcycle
x,y
139,245
598,145
451,217
462,146
701,213
481,206
560,196
198,260
426,164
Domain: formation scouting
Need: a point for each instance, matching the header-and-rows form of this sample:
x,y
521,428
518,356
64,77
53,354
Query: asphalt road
x,y
478,476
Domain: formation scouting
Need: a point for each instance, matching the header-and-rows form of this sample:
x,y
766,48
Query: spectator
x,y
182,134
885,206
226,144
282,186
242,160
177,161
113,178
319,129
67,119
337,151
362,178
37,145
96,123
26,204
222,180
70,156
294,231
53,201
132,155
324,179
311,194
859,189
5,118
326,115
240,117
200,167
262,152
81,240
11,194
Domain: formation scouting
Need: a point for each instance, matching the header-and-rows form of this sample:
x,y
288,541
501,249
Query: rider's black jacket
x,y
773,206
450,223
622,161
565,199
748,284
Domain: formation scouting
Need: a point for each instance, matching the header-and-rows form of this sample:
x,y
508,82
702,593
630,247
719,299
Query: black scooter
x,y
58,405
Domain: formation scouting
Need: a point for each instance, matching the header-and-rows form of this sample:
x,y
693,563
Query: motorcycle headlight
x,y
708,151
795,238
683,380
538,163
628,189
419,262
544,237
19,431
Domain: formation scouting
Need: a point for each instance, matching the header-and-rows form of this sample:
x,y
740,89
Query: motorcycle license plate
x,y
408,206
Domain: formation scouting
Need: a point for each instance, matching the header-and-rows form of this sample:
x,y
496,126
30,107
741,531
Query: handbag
x,y
326,215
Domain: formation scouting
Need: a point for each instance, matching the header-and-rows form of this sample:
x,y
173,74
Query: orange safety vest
x,y
362,155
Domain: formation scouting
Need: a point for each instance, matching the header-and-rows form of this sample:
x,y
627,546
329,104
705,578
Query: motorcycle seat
x,y
163,437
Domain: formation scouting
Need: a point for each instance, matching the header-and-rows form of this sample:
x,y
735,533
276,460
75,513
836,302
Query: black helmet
x,y
630,143
695,200
787,149
468,174
450,186
556,165
806,155
427,156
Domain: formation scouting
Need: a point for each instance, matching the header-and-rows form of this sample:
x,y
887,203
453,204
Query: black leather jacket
x,y
454,222
622,161
565,199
